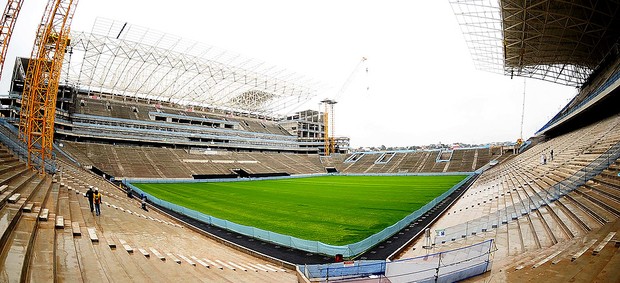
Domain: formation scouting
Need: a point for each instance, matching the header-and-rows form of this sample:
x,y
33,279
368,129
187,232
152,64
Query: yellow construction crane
x,y
38,103
329,139
8,23
328,114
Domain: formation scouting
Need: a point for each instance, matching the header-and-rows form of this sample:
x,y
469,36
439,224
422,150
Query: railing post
x,y
584,175
466,228
327,274
438,266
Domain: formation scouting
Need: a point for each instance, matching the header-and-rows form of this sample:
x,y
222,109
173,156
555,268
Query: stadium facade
x,y
150,105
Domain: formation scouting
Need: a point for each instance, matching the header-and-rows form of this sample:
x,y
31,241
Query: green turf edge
x,y
303,235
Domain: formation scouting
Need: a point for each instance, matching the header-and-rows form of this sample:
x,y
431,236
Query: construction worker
x,y
144,203
97,199
89,195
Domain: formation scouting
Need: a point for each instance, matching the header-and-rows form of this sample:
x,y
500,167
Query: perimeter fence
x,y
447,266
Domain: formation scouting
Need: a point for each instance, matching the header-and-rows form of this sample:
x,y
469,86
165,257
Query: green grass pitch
x,y
335,210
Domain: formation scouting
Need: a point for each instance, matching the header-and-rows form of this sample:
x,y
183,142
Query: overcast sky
x,y
423,87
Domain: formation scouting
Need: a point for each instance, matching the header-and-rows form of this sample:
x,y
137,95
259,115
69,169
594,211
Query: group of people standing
x,y
543,157
94,198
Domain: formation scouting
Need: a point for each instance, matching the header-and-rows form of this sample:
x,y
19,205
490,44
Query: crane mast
x,y
38,110
329,139
11,11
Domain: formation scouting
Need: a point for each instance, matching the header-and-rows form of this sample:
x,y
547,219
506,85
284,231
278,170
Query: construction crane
x,y
520,139
329,139
328,114
38,104
8,23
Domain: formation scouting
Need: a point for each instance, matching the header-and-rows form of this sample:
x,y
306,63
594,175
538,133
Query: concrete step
x,y
157,254
14,198
60,222
75,229
44,214
28,207
92,234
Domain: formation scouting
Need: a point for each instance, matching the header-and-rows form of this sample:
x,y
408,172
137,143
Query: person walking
x,y
89,195
144,203
551,155
97,199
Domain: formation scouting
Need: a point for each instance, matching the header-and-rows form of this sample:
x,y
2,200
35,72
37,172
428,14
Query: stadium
x,y
209,172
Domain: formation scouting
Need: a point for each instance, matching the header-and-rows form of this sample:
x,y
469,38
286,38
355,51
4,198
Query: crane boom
x,y
346,84
328,115
11,11
38,107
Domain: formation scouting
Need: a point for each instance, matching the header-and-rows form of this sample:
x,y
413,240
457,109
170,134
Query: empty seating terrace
x,y
516,202
133,131
462,160
152,162
115,119
51,235
131,110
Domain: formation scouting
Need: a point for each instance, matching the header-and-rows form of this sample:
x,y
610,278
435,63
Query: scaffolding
x,y
37,115
7,23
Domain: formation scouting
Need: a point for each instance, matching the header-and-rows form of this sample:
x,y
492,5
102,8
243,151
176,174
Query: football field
x,y
335,210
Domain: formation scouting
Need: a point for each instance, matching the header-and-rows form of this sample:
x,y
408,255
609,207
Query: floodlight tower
x,y
329,138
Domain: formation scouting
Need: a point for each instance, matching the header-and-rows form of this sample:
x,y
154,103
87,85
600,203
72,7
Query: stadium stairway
x,y
44,243
23,193
394,163
589,259
410,161
334,160
49,234
132,243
